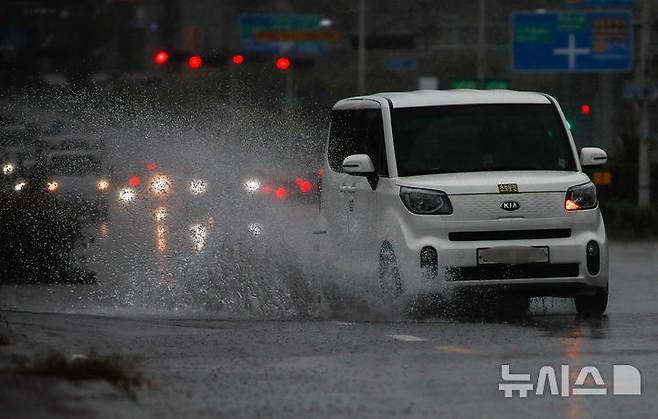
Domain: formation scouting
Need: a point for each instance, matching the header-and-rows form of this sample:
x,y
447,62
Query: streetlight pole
x,y
361,62
641,74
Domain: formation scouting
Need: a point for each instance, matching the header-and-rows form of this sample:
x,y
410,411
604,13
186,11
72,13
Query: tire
x,y
592,305
389,273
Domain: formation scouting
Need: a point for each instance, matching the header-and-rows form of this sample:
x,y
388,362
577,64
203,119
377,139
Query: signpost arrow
x,y
572,51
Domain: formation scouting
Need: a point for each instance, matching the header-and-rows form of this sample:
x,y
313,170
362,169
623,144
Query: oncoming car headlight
x,y
252,185
198,235
160,185
425,201
52,186
127,195
255,229
8,169
581,197
103,185
197,186
20,185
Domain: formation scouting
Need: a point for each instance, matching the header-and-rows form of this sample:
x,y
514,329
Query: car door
x,y
363,219
335,183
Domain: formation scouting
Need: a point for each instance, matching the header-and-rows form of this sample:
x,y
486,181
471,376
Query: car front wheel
x,y
592,305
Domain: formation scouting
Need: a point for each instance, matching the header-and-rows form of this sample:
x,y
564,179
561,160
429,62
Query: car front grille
x,y
525,271
552,233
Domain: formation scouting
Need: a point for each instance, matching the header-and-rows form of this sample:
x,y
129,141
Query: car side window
x,y
342,138
357,132
371,133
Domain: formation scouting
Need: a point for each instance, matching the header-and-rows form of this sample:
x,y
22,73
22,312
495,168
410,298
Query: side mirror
x,y
592,156
358,165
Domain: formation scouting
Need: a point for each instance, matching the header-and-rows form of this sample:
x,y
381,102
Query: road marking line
x,y
456,349
341,323
407,338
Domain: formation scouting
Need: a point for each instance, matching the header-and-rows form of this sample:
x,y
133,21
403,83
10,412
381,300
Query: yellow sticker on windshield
x,y
508,188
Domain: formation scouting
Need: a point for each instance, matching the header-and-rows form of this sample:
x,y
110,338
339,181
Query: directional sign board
x,y
572,41
598,3
285,34
401,64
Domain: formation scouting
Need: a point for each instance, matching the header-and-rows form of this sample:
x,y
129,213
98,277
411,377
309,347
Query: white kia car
x,y
464,188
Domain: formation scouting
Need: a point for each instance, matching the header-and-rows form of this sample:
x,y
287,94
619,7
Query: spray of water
x,y
190,226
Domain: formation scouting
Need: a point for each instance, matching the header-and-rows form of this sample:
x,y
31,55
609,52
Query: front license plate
x,y
513,255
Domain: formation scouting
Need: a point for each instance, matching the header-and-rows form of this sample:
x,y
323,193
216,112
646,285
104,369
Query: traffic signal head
x,y
237,59
161,57
585,109
282,63
194,62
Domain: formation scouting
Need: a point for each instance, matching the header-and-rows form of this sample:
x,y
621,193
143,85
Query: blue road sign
x,y
284,34
572,41
401,64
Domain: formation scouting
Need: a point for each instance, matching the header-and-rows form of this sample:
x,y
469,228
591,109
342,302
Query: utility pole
x,y
482,41
644,137
361,61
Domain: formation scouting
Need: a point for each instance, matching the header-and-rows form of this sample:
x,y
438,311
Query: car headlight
x,y
198,235
255,229
52,186
8,169
103,185
425,201
197,186
160,185
581,197
20,185
127,195
252,185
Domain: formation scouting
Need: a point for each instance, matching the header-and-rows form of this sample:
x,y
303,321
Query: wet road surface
x,y
437,367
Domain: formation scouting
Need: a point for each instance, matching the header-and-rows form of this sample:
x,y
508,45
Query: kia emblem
x,y
510,205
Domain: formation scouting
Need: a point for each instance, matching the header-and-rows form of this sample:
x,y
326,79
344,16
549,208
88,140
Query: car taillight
x,y
281,192
305,186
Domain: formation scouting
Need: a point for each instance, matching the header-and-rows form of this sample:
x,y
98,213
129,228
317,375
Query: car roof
x,y
444,98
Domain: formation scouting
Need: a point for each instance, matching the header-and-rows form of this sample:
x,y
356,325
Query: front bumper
x,y
565,274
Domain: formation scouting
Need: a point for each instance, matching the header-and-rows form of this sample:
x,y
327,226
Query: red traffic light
x,y
585,109
134,181
161,57
237,59
282,63
195,62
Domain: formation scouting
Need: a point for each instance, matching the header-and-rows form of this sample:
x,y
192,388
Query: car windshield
x,y
473,138
75,165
